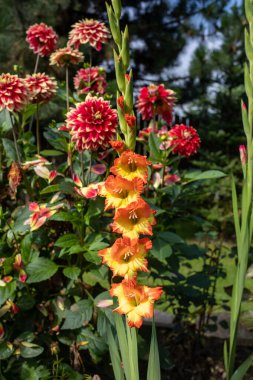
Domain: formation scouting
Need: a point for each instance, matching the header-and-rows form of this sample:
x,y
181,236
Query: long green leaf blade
x,y
154,372
242,370
115,356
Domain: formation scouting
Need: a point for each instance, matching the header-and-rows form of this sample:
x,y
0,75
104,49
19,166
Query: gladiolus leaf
x,y
242,370
154,361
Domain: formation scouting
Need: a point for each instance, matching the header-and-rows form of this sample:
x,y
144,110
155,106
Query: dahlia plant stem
x,y
90,55
37,128
82,165
67,88
89,170
36,64
15,139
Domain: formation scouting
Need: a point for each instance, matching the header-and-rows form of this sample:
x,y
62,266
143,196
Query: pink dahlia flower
x,y
92,124
91,31
90,79
42,87
66,56
42,39
156,100
184,140
14,93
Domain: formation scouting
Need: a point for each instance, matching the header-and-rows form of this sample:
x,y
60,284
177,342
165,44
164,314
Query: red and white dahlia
x,y
156,100
91,31
90,79
66,56
92,124
184,140
42,87
42,39
14,93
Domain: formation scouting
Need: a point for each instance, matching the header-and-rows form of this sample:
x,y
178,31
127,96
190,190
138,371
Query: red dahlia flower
x,y
14,93
184,140
156,100
66,56
92,124
90,79
89,31
41,86
42,39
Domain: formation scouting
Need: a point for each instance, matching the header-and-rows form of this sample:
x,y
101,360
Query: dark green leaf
x,y
40,269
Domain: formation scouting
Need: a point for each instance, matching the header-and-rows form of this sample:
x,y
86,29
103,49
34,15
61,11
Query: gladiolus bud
x,y
120,101
117,145
243,154
131,120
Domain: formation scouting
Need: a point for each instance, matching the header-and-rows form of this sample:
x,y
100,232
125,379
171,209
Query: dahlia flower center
x,y
98,115
187,134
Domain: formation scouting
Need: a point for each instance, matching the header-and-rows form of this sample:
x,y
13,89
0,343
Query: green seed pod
x,y
129,92
125,54
120,72
245,118
122,121
248,46
249,10
114,26
117,7
248,84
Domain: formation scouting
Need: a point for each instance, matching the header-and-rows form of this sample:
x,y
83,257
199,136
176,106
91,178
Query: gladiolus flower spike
x,y
133,218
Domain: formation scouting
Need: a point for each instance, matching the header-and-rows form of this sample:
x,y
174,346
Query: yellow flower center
x,y
98,115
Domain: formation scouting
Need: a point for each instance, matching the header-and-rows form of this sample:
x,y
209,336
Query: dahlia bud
x,y
243,154
22,276
130,119
1,331
17,262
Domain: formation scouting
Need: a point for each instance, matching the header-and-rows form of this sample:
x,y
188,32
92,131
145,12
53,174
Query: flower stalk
x,y
243,215
124,77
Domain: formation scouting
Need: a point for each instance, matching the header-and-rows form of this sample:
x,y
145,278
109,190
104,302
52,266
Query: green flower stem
x,y
82,166
36,64
67,88
89,170
15,140
244,224
37,128
90,54
122,62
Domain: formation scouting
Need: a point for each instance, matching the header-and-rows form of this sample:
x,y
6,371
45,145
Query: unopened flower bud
x,y
243,154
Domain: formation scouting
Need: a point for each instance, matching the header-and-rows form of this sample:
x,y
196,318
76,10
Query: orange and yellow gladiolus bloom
x,y
136,301
134,220
127,256
131,165
119,192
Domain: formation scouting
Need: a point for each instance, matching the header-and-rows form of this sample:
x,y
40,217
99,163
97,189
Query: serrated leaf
x,y
79,313
72,272
66,241
40,269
